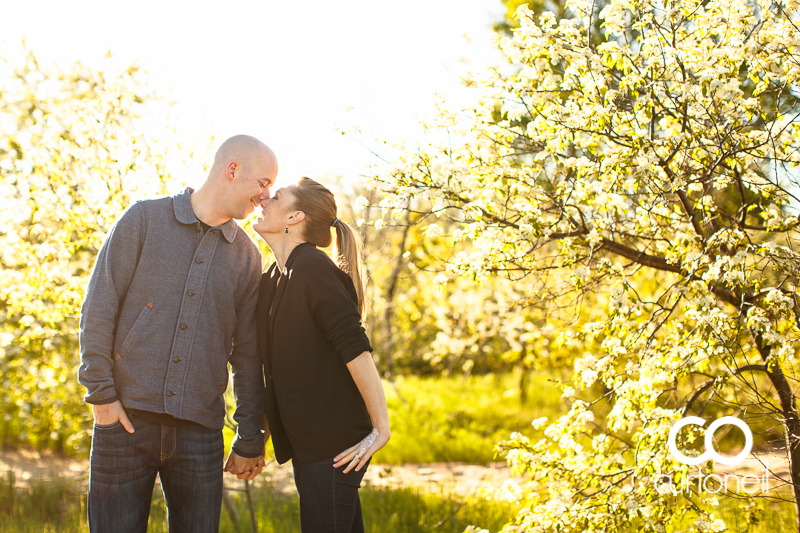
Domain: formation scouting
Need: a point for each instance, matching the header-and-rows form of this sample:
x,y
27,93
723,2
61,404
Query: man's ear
x,y
231,169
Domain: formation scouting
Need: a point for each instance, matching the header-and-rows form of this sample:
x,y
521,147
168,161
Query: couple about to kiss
x,y
175,296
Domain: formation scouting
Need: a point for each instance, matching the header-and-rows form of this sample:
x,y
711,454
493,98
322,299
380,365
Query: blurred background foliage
x,y
467,360
78,145
471,359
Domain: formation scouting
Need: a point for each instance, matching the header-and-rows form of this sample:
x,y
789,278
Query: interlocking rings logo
x,y
709,444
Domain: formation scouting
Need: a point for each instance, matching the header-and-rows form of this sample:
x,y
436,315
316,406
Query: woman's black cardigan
x,y
313,406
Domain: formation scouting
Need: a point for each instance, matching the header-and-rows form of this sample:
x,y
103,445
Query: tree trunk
x,y
233,514
388,313
250,508
791,421
523,375
369,326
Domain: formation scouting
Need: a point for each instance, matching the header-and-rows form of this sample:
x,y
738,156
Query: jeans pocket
x,y
352,478
108,426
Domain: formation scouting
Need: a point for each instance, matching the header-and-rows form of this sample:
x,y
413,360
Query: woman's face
x,y
275,211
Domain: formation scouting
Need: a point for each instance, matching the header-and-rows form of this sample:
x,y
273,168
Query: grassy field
x,y
748,515
457,419
58,506
433,420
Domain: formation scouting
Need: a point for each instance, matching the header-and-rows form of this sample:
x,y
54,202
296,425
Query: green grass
x,y
754,515
437,420
51,505
747,515
60,506
457,419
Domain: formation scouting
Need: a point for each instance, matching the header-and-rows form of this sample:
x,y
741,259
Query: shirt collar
x,y
185,214
289,260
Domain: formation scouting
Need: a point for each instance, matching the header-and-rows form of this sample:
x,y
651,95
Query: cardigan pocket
x,y
136,330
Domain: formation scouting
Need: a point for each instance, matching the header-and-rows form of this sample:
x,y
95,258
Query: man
x,y
170,302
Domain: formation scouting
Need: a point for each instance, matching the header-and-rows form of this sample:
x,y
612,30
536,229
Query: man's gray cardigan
x,y
166,309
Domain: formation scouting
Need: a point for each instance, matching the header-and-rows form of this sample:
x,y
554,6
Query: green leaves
x,y
75,150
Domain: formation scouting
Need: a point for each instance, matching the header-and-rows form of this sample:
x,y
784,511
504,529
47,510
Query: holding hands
x,y
243,467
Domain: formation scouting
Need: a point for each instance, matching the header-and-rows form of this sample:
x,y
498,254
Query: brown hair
x,y
319,206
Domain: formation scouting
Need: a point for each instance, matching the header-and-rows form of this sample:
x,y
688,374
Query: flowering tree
x,y
74,151
654,171
420,324
509,20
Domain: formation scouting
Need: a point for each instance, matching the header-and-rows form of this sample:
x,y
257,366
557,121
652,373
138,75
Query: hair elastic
x,y
335,220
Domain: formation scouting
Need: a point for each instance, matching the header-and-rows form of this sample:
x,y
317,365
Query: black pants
x,y
329,501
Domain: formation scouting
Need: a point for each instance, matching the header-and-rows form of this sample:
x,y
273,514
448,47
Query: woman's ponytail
x,y
319,206
347,254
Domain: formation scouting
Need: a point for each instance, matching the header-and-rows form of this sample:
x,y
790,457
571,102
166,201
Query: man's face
x,y
252,182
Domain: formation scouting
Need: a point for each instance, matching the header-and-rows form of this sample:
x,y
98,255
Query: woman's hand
x,y
359,454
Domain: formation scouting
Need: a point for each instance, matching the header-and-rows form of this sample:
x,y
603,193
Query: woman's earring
x,y
287,229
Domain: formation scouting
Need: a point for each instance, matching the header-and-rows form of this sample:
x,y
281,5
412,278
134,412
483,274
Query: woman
x,y
325,406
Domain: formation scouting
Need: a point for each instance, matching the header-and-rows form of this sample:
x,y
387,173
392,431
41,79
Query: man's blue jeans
x,y
123,473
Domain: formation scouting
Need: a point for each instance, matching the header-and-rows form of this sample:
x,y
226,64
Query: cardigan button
x,y
190,293
170,393
184,326
176,360
198,260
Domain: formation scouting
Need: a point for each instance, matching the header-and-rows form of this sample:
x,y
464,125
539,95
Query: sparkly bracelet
x,y
368,441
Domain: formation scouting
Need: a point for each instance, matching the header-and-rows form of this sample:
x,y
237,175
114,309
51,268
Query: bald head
x,y
245,150
241,177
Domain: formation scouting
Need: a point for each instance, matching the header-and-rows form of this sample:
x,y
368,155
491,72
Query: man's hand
x,y
243,467
107,414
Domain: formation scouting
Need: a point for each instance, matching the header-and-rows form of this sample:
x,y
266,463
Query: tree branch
x,y
652,261
708,383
